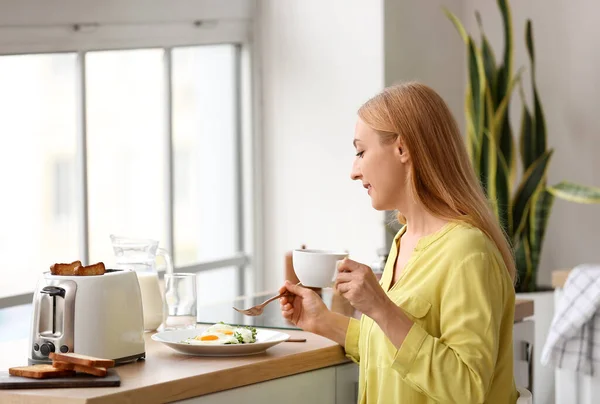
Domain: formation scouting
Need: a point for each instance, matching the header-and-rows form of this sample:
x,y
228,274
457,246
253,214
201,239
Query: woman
x,y
438,326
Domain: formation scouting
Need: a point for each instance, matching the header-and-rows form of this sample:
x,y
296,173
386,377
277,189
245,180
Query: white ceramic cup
x,y
317,268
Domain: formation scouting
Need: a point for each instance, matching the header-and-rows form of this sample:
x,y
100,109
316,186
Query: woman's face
x,y
381,167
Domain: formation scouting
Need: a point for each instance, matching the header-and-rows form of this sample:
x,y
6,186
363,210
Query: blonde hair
x,y
442,178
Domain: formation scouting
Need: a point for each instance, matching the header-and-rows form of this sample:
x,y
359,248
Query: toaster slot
x,y
51,324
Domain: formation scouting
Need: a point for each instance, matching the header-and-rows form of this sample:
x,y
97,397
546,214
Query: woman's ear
x,y
402,151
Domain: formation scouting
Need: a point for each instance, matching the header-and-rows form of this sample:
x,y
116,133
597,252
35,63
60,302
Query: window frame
x,y
80,26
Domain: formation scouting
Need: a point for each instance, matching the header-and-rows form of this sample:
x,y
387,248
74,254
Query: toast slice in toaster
x,y
64,269
94,269
90,370
84,360
40,372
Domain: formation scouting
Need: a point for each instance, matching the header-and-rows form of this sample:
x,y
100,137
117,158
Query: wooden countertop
x,y
559,277
168,376
523,309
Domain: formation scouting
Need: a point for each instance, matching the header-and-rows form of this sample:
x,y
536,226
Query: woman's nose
x,y
355,173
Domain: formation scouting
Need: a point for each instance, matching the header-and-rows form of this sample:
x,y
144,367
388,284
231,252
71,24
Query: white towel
x,y
573,341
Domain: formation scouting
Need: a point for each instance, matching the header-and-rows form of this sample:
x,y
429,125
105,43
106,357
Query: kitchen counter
x,y
559,277
166,375
523,309
169,376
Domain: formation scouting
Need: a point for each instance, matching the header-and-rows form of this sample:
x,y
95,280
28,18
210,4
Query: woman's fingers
x,y
347,265
344,277
343,287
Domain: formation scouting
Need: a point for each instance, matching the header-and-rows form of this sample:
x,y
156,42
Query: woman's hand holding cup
x,y
358,284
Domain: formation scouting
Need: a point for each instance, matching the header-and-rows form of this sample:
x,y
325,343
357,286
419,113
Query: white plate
x,y
265,339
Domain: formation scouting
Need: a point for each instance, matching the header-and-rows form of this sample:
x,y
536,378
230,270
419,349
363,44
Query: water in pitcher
x,y
140,255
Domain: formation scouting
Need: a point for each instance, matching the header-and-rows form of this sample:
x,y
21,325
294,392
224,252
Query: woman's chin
x,y
377,205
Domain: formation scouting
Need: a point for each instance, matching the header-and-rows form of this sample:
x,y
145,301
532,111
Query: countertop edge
x,y
228,379
559,277
523,308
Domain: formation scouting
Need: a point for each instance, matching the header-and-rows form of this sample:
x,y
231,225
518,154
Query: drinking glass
x,y
180,301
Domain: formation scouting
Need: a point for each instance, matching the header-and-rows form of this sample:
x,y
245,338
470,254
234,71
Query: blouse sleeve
x,y
351,342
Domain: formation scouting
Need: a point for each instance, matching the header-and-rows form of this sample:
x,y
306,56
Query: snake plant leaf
x,y
489,152
477,82
527,150
473,144
508,39
457,24
489,60
533,180
498,190
537,136
575,192
476,95
541,208
502,121
525,269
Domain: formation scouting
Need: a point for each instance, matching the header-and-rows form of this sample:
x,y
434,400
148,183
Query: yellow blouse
x,y
456,289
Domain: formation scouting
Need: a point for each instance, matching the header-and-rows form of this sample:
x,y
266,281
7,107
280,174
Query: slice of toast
x,y
84,360
90,370
40,372
94,269
64,269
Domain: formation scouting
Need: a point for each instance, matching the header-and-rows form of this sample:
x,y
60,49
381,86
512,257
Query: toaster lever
x,y
53,291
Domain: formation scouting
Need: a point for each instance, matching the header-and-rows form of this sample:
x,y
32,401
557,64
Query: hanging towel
x,y
573,340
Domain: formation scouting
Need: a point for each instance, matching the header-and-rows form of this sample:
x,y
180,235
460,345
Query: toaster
x,y
99,316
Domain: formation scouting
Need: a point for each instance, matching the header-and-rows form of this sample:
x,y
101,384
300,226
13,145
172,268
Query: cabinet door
x,y
318,386
523,337
346,384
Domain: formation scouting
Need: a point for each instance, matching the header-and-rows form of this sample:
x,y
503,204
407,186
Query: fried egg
x,y
222,334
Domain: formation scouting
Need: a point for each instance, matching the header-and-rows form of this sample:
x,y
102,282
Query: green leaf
x,y
538,134
489,159
474,100
526,147
459,27
533,180
523,263
484,166
541,208
477,84
489,60
502,128
529,40
498,189
575,193
508,40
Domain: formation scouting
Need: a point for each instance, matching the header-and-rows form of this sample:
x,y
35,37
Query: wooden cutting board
x,y
112,379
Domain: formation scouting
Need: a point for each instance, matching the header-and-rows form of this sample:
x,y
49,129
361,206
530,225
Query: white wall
x,y
320,61
314,79
567,37
421,44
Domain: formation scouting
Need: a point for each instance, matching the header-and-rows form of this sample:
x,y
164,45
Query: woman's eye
x,y
360,154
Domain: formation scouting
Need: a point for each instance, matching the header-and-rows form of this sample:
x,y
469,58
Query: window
x,y
39,137
63,189
132,129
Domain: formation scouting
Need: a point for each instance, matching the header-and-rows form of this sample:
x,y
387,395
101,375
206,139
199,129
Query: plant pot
x,y
543,312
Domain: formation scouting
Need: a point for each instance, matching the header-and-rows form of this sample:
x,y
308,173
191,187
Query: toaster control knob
x,y
46,348
64,349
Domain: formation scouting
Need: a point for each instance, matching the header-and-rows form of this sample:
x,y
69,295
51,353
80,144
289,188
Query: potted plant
x,y
522,206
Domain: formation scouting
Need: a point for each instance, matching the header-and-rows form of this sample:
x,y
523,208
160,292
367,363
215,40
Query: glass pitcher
x,y
140,256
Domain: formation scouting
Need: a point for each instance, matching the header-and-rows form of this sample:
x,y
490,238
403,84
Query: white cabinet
x,y
336,384
523,340
574,387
